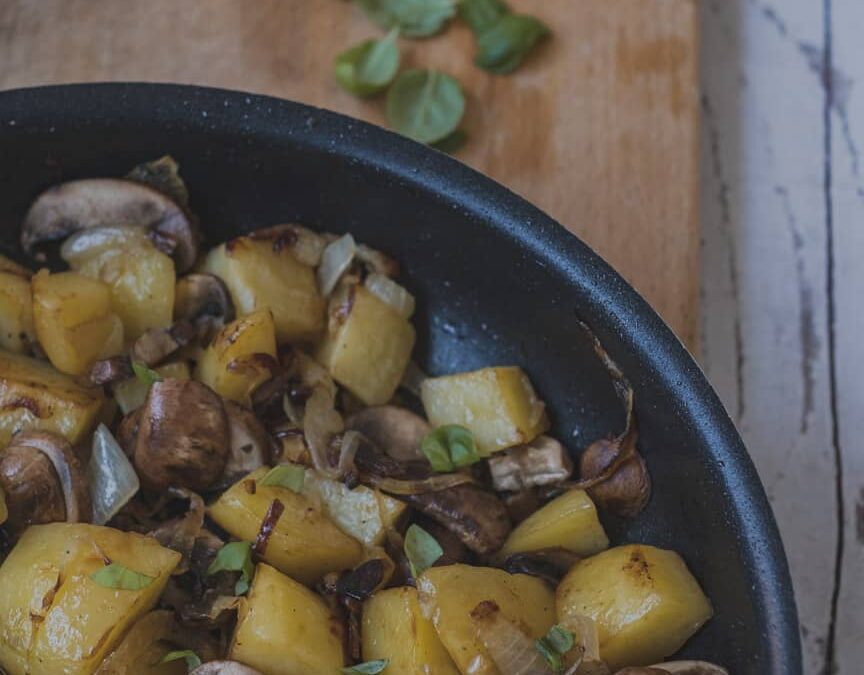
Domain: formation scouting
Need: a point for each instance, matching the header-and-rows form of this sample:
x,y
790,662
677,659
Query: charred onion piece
x,y
224,668
157,344
96,202
271,518
549,564
44,482
183,436
107,371
544,461
362,581
394,430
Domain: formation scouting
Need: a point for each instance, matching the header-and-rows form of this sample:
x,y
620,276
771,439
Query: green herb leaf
x,y
368,668
453,143
503,46
480,15
121,578
369,67
415,18
426,105
553,659
560,639
421,549
191,658
144,373
235,557
450,447
290,476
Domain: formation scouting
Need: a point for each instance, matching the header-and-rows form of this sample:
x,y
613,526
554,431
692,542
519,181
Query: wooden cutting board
x,y
599,128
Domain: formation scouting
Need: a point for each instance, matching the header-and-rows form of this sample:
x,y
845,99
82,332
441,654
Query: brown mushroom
x,y
96,202
396,431
550,564
44,482
616,476
157,344
183,436
181,533
250,446
543,461
106,371
202,295
224,668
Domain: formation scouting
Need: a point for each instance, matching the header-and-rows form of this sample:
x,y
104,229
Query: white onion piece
x,y
335,261
391,293
48,447
511,649
112,479
321,422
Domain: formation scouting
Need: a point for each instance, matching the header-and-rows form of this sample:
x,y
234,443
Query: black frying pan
x,y
497,281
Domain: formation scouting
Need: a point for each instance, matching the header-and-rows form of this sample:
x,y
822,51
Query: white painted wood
x,y
765,321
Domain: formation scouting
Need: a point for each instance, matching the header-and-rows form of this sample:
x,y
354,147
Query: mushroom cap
x,y
198,295
396,431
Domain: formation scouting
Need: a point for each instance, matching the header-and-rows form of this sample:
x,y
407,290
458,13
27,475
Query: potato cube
x,y
498,405
644,600
7,265
33,395
367,346
130,394
144,646
261,274
568,521
394,628
16,313
449,594
53,617
285,629
74,321
305,544
229,366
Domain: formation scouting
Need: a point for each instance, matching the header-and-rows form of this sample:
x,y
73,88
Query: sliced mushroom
x,y
397,431
550,564
224,668
183,436
107,371
180,534
202,295
157,344
616,476
544,461
44,482
454,550
250,446
96,202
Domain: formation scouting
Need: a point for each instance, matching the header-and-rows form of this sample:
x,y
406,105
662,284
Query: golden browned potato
x,y
33,395
74,321
144,646
498,405
367,346
260,274
7,265
449,594
644,600
130,394
285,629
305,544
229,365
54,618
17,332
568,521
394,628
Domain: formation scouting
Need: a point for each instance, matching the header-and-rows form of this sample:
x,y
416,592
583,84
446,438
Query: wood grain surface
x,y
599,128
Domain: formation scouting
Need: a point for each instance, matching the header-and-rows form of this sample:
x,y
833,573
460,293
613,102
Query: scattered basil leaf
x,y
415,18
503,46
191,658
480,15
452,143
554,645
369,67
426,105
235,556
368,668
163,175
553,659
120,577
421,549
144,373
450,447
290,476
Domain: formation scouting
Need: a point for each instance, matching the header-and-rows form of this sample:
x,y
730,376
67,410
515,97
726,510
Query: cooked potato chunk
x,y
230,366
130,394
304,544
144,646
260,274
448,594
644,600
35,396
285,629
367,346
394,628
74,321
568,521
498,405
16,313
53,617
7,265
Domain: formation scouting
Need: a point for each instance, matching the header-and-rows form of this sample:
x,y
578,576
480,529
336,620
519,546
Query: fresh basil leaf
x,y
552,658
480,15
426,105
560,639
192,659
452,143
503,46
368,668
235,556
121,578
144,373
290,476
415,18
369,67
421,549
450,447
